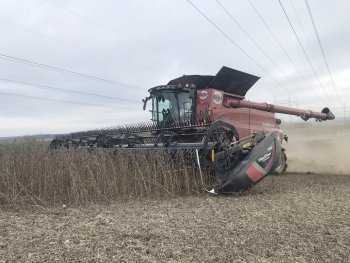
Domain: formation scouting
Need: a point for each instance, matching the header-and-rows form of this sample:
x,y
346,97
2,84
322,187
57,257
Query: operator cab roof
x,y
227,79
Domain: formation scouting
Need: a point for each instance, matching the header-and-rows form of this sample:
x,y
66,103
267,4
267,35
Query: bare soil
x,y
290,218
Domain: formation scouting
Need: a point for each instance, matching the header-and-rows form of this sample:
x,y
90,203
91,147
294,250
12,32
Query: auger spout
x,y
324,115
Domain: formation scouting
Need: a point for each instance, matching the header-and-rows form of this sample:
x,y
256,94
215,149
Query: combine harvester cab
x,y
238,140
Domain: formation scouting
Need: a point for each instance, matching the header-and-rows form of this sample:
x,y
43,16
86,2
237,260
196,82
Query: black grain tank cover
x,y
233,81
200,81
227,79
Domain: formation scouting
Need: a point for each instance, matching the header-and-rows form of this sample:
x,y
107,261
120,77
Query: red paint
x,y
245,120
254,174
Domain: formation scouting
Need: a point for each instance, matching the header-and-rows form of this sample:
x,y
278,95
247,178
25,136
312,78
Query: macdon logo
x,y
265,157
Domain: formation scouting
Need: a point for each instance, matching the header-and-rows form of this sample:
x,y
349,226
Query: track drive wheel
x,y
221,133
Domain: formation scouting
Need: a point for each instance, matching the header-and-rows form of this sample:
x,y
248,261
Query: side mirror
x,y
145,101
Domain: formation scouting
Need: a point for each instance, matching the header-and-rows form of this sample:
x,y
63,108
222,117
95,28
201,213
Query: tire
x,y
282,168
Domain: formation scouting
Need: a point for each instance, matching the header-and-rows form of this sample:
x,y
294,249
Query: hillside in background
x,y
40,137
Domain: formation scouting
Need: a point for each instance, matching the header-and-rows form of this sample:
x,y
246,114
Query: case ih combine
x,y
208,120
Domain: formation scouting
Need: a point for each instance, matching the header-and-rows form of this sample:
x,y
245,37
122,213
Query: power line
x,y
304,33
302,47
321,47
65,71
253,40
274,37
66,90
62,101
93,21
235,44
74,45
279,43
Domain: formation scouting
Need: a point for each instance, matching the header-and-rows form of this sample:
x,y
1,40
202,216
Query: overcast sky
x,y
147,43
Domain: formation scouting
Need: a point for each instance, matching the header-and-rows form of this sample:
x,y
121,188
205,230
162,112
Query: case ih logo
x,y
203,95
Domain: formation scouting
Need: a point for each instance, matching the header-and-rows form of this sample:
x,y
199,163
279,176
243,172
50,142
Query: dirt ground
x,y
302,216
290,218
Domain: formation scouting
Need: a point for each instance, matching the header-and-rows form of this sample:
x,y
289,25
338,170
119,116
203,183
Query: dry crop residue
x,y
290,218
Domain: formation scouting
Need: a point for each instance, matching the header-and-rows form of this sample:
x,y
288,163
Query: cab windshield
x,y
172,106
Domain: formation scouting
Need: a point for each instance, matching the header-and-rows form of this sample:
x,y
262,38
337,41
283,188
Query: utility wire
x,y
58,100
66,90
321,47
95,22
304,33
254,42
235,44
280,45
74,45
302,47
65,71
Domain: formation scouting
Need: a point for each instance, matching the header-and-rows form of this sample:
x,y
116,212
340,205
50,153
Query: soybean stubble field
x,y
62,215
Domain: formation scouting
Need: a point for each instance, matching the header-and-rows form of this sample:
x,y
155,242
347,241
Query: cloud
x,y
147,43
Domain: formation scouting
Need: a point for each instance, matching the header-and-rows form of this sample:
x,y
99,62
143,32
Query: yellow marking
x,y
212,155
246,145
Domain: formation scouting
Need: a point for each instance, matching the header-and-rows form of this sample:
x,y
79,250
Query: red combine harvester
x,y
207,119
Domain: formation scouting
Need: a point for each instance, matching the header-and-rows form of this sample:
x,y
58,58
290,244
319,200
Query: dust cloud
x,y
318,147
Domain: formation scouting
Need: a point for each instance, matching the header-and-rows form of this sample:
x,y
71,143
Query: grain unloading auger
x,y
208,120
